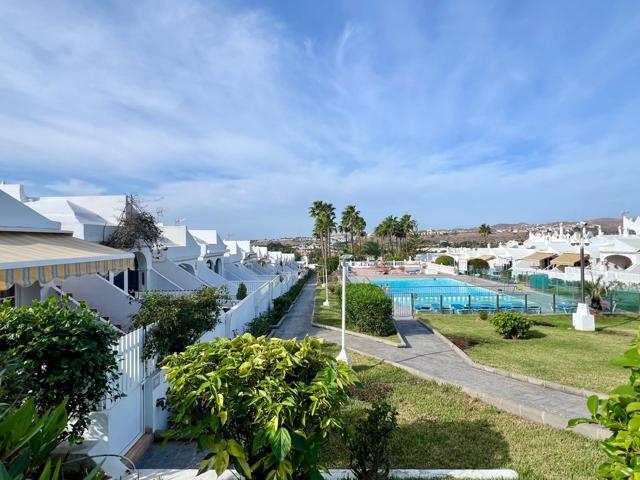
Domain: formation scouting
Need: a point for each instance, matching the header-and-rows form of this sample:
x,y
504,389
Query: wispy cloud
x,y
75,186
237,118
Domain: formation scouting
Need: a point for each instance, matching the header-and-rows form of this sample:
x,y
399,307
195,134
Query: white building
x,y
556,253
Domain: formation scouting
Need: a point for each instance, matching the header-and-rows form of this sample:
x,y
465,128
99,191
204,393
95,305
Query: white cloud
x,y
75,186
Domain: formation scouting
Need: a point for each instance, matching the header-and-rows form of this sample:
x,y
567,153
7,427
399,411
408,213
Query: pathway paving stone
x,y
429,357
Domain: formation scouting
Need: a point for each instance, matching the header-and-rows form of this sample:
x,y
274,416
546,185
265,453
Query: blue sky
x,y
237,115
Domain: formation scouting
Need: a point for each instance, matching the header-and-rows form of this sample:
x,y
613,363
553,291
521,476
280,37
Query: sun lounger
x,y
444,309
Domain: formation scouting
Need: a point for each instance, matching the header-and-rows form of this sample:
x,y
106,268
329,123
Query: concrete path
x,y
429,357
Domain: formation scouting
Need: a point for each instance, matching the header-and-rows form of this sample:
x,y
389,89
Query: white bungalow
x,y
38,259
210,264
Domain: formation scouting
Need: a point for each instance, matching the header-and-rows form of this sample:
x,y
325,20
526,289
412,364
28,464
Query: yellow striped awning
x,y
568,259
539,256
29,257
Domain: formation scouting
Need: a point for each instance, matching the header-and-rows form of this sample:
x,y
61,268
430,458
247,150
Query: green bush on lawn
x,y
511,324
445,260
369,309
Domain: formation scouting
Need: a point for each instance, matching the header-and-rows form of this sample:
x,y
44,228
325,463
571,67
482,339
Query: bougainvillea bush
x,y
263,406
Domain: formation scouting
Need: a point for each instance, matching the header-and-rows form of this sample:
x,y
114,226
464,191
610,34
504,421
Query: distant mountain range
x,y
608,225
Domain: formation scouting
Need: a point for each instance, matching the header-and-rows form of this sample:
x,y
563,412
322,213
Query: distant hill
x,y
503,232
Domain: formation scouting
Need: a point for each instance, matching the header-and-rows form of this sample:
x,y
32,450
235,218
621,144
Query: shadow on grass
x,y
536,334
449,444
436,444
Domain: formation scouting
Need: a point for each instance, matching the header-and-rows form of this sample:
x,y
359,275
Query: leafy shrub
x,y
620,413
332,264
27,440
63,352
483,315
242,291
369,443
262,405
368,309
175,322
445,260
511,324
261,325
477,265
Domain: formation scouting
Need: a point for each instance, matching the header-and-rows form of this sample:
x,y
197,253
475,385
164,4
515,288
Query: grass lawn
x,y
442,427
554,351
332,315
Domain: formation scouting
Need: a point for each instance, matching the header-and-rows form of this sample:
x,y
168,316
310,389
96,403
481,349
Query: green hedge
x,y
369,309
477,264
263,322
511,324
445,260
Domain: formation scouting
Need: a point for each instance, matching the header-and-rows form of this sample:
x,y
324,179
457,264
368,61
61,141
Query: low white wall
x,y
178,275
106,298
434,268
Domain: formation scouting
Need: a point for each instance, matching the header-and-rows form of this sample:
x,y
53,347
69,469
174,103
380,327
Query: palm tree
x,y
406,226
359,226
597,291
324,215
388,229
485,231
347,222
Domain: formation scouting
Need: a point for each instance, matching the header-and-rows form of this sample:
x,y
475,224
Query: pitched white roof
x,y
17,217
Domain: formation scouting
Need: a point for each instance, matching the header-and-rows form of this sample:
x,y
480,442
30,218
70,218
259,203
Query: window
x,y
8,295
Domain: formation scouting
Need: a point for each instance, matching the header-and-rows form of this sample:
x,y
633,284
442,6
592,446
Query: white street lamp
x,y
582,319
343,356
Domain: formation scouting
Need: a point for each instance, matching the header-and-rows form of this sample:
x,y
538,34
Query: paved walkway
x,y
429,357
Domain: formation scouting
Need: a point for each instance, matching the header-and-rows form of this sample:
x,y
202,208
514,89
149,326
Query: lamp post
x,y
581,242
343,356
582,319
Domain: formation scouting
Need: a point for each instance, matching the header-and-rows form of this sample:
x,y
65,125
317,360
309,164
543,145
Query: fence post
x,y
526,302
554,303
497,302
469,302
412,305
441,304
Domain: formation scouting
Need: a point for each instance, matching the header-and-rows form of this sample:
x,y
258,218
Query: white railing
x,y
251,286
130,363
572,274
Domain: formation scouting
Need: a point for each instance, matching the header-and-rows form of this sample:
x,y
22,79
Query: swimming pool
x,y
453,295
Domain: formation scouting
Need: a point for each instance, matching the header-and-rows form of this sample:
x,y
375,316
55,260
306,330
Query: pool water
x,y
451,294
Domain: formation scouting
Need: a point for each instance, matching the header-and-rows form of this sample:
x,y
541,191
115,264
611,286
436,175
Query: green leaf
x,y
235,449
633,407
281,444
221,462
577,421
634,424
245,470
592,404
625,390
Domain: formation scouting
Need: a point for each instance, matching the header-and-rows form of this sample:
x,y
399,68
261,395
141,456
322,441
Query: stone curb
x,y
333,474
400,344
579,392
530,413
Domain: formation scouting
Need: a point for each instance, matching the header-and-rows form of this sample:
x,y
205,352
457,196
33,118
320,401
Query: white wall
x,y
106,298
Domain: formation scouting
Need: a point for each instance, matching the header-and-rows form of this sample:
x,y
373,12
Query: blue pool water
x,y
432,293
